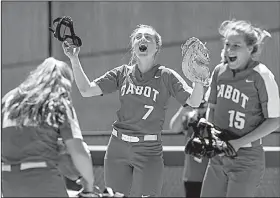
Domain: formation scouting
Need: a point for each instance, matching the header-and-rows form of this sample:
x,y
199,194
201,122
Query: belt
x,y
253,144
129,138
23,166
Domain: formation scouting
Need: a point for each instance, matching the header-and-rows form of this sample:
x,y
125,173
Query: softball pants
x,y
32,182
237,177
139,162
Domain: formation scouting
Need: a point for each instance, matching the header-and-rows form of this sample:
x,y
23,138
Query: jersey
x,y
143,97
34,143
243,99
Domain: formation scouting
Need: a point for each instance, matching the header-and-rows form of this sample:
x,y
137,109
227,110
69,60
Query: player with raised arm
x,y
135,148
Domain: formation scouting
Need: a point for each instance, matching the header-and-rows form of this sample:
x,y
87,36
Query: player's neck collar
x,y
249,65
147,75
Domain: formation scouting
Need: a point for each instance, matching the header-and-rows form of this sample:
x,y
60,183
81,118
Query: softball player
x,y
194,169
35,115
244,99
135,147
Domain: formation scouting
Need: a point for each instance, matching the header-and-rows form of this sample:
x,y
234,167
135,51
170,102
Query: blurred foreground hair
x,y
44,97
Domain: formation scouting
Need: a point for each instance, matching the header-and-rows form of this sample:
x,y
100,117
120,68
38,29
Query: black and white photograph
x,y
140,99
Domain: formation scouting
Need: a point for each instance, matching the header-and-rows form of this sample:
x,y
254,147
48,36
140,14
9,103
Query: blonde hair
x,y
44,97
132,37
253,36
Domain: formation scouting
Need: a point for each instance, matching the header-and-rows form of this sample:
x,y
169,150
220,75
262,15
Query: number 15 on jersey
x,y
236,119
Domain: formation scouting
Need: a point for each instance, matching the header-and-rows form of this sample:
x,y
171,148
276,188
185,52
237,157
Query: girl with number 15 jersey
x,y
244,99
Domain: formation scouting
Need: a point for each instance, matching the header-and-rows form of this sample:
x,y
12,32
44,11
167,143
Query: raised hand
x,y
70,50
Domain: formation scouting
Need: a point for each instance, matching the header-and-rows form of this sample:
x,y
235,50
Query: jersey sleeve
x,y
268,92
110,81
71,128
212,90
178,87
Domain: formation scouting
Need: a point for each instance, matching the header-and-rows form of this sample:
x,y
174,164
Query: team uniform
x,y
29,159
135,146
243,100
194,169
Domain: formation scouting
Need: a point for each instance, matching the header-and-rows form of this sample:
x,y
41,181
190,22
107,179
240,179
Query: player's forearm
x,y
197,94
83,164
81,79
176,121
81,158
267,127
210,113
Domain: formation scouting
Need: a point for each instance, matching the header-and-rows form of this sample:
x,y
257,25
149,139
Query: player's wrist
x,y
89,186
198,84
74,58
236,144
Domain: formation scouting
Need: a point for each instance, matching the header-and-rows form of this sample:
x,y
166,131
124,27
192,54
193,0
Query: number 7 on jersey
x,y
150,109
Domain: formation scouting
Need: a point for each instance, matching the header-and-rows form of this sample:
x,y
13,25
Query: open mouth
x,y
143,47
232,59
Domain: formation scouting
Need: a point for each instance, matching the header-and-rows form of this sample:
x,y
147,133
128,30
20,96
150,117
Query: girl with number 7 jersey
x,y
135,148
